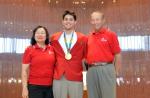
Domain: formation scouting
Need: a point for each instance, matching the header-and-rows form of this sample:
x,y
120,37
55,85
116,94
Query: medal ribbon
x,y
68,45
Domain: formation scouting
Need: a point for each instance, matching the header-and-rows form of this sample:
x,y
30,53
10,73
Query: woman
x,y
37,66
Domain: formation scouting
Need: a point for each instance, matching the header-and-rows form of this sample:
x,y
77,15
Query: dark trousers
x,y
39,91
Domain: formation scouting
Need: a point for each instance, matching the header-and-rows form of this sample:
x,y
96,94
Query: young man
x,y
70,49
103,58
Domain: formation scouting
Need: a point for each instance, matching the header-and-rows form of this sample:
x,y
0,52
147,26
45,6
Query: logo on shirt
x,y
103,39
50,52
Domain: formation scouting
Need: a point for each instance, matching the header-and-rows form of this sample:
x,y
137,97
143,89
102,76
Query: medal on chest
x,y
68,55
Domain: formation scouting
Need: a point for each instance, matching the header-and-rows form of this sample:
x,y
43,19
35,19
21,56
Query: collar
x,y
100,31
36,46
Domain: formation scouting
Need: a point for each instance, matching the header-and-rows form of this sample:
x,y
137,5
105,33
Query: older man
x,y
103,58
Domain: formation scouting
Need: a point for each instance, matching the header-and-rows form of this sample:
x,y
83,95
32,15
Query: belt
x,y
99,64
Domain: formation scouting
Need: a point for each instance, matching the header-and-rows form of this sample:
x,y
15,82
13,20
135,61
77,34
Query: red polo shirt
x,y
102,46
41,64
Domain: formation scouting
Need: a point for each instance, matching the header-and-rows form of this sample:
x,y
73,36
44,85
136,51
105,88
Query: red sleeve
x,y
27,56
85,46
115,48
52,49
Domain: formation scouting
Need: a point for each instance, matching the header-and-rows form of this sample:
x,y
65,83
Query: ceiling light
x,y
102,2
76,2
83,2
114,1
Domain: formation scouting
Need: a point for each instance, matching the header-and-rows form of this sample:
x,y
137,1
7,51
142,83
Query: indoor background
x,y
130,19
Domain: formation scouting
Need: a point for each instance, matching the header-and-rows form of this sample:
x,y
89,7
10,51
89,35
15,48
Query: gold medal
x,y
68,56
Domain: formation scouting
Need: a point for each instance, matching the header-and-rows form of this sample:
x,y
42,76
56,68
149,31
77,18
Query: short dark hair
x,y
33,41
69,13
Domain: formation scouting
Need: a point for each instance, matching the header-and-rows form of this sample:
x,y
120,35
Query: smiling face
x,y
40,35
69,22
97,20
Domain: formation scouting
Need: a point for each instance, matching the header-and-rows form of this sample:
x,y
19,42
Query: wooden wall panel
x,y
125,17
